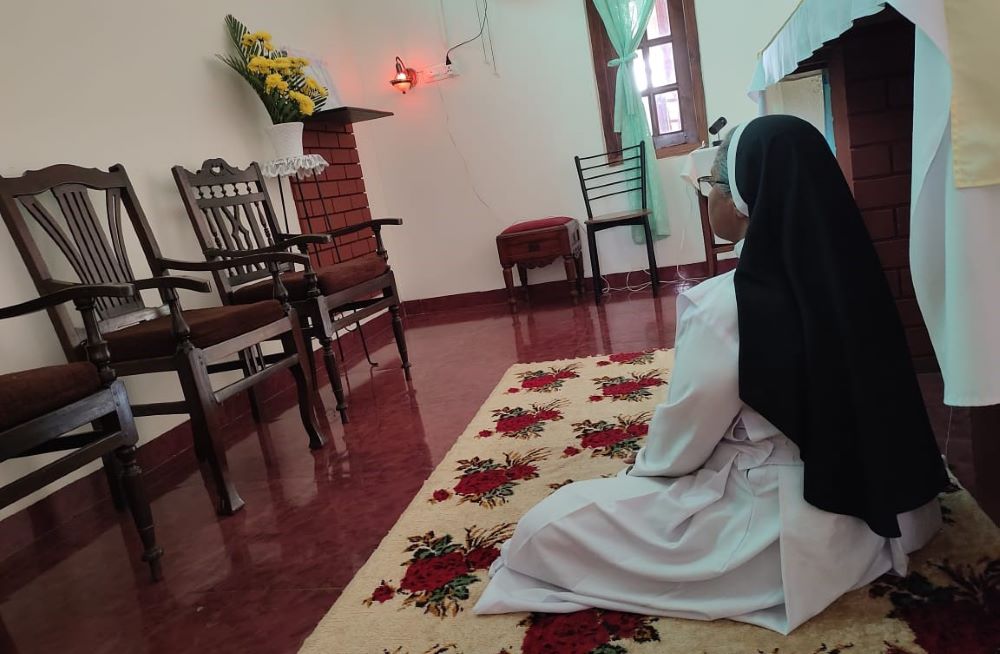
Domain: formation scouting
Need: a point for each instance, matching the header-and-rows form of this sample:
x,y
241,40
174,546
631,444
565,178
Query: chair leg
x,y
580,273
333,372
569,262
205,425
654,273
294,343
595,266
113,472
138,503
508,281
522,275
397,330
249,368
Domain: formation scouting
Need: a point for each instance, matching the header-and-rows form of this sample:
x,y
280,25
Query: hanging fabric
x,y
625,22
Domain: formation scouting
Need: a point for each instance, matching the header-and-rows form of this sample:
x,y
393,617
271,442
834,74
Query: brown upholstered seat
x,y
338,277
154,338
33,393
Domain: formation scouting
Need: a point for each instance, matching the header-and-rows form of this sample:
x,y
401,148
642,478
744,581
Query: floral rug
x,y
547,424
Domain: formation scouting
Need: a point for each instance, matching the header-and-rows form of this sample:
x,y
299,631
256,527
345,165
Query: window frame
x,y
689,86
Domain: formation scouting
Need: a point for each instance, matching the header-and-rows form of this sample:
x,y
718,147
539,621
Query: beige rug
x,y
549,423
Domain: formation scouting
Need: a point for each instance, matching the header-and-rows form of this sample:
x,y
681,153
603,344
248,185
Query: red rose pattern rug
x,y
548,424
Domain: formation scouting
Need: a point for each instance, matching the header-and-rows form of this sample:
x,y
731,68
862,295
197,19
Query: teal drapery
x,y
625,22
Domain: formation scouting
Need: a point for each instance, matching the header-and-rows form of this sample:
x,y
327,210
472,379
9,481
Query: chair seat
x,y
33,393
332,279
212,326
619,216
540,223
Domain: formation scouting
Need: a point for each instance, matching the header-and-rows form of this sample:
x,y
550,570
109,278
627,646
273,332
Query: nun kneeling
x,y
793,459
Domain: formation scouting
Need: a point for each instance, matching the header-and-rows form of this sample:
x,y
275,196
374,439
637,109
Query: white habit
x,y
711,521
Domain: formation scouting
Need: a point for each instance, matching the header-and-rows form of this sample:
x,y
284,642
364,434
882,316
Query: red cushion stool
x,y
537,243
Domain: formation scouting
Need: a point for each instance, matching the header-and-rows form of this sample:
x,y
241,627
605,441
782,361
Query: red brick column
x,y
336,198
878,69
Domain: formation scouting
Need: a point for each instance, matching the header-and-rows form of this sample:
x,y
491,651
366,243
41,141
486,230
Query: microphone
x,y
716,127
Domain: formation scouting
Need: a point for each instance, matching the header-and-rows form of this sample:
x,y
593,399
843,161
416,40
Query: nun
x,y
792,461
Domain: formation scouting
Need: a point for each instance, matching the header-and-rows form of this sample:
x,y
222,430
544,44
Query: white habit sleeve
x,y
703,397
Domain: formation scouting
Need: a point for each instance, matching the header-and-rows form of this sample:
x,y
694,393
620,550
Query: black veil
x,y
822,352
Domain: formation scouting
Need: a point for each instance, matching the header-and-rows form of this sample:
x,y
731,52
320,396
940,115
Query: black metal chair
x,y
618,172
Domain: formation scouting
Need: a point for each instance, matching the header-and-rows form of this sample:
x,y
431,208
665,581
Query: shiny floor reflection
x,y
260,581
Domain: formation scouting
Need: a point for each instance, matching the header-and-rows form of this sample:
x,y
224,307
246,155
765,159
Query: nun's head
x,y
726,220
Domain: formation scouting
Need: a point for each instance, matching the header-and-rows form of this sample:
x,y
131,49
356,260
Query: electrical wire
x,y
482,28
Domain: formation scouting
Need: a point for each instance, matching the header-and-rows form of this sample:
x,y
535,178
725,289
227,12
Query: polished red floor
x,y
260,581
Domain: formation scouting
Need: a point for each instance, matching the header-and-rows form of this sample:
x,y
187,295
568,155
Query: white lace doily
x,y
301,166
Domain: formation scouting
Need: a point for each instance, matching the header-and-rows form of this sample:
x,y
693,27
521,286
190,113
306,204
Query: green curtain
x,y
625,22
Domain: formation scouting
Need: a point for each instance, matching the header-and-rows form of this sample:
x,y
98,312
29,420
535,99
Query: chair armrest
x,y
267,258
174,282
284,245
74,293
302,239
374,225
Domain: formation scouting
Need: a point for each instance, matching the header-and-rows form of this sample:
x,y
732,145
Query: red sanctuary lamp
x,y
405,79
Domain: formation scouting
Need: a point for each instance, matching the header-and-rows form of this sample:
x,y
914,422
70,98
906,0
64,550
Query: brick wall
x,y
878,71
336,198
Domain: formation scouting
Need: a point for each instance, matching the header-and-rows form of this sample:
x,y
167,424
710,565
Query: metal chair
x,y
618,172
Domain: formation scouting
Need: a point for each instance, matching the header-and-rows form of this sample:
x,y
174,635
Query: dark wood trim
x,y
556,291
606,76
347,115
687,63
841,123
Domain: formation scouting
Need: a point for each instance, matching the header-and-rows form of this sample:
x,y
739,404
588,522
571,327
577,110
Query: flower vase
x,y
286,139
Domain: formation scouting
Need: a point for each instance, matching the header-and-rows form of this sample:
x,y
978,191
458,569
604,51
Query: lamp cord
x,y
482,28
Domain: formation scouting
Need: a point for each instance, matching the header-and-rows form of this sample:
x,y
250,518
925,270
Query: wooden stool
x,y
537,243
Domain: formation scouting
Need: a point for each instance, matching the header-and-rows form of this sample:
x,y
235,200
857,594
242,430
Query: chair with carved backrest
x,y
54,206
232,214
42,410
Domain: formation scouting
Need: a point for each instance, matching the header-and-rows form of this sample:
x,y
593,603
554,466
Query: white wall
x,y
124,81
468,156
121,81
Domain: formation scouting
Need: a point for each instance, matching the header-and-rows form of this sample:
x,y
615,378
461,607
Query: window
x,y
667,73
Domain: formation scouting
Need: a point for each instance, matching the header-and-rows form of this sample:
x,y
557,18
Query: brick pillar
x,y
336,198
878,74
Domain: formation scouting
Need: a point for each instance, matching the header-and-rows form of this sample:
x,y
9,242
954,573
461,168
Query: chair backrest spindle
x,y
53,219
230,209
612,173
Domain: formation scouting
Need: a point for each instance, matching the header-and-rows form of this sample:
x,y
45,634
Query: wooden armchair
x,y
52,211
232,214
39,408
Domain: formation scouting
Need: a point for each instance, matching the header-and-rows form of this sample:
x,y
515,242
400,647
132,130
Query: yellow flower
x,y
306,104
281,63
267,45
314,88
253,37
260,65
274,81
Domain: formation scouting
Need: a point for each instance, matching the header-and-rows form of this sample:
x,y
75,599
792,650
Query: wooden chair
x,y
54,207
619,172
232,214
40,408
712,247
